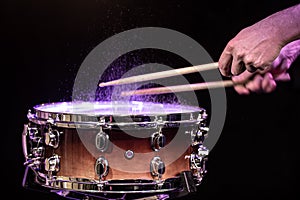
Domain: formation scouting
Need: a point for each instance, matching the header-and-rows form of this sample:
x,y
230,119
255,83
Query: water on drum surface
x,y
115,108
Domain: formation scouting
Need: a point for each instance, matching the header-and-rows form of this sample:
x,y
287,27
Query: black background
x,y
44,43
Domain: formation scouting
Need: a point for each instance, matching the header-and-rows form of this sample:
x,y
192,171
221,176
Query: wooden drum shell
x,y
78,153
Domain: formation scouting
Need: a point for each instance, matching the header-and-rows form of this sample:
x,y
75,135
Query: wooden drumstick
x,y
180,88
163,74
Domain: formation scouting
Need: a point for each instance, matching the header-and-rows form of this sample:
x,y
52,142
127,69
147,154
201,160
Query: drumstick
x,y
180,88
162,74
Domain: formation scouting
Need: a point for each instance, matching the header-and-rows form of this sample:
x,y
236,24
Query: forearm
x,y
285,24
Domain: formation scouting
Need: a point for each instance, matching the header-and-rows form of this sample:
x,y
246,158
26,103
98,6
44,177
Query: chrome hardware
x,y
198,162
38,152
24,140
157,167
191,116
102,141
63,193
101,167
52,164
196,159
34,163
129,154
33,159
198,136
33,153
203,151
158,119
52,138
158,140
203,128
203,115
117,186
33,134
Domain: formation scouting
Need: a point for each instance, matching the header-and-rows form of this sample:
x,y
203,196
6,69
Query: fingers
x,y
237,67
255,85
283,77
225,63
268,83
251,68
241,89
254,82
241,81
243,77
233,61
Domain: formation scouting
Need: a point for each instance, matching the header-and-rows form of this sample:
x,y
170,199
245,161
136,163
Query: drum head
x,y
70,114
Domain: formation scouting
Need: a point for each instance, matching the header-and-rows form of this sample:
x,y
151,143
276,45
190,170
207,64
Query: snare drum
x,y
100,148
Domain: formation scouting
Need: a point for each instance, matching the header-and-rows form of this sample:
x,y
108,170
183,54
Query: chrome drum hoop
x,y
131,186
67,115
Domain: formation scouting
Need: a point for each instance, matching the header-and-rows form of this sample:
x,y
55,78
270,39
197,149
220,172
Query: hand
x,y
250,50
265,81
257,46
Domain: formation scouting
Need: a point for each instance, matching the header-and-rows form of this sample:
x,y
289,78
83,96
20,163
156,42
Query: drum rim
x,y
93,186
77,120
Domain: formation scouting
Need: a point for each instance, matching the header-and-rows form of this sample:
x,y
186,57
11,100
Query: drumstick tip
x,y
102,84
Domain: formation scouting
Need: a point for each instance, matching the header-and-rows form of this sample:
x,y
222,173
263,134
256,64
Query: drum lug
x,y
158,140
198,162
202,115
157,167
34,134
52,138
38,152
33,153
203,128
102,141
101,167
52,164
198,136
